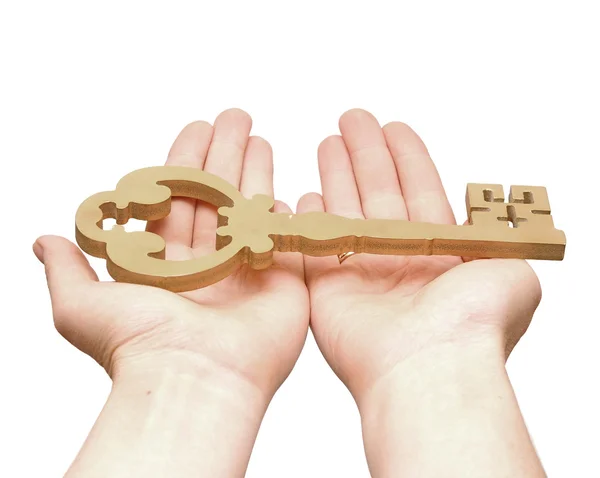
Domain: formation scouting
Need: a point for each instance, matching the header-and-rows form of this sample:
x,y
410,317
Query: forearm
x,y
172,422
451,413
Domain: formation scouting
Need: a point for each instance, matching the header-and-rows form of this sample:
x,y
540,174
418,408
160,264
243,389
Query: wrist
x,y
157,370
192,418
445,367
441,361
444,411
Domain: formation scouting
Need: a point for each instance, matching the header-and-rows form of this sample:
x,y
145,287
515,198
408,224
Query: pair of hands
x,y
369,315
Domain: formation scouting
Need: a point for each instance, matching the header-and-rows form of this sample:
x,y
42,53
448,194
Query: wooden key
x,y
249,232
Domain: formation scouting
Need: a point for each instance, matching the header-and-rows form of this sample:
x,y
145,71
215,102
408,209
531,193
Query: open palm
x,y
371,312
251,325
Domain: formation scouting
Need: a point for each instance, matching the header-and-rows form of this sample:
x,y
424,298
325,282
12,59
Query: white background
x,y
504,92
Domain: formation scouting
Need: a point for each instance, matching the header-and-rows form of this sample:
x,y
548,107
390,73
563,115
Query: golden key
x,y
249,232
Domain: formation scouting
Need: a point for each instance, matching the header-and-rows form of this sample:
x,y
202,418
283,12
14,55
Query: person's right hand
x,y
383,320
252,325
213,357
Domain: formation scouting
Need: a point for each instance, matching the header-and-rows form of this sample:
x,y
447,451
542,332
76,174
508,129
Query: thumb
x,y
65,264
71,282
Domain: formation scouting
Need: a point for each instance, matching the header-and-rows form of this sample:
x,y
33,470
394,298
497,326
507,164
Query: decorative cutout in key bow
x,y
249,232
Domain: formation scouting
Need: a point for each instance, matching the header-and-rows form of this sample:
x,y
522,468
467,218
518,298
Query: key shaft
x,y
323,234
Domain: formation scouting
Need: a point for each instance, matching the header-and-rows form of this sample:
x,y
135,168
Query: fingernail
x,y
38,250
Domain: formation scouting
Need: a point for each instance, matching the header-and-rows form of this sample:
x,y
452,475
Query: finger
x,y
257,170
313,266
292,261
64,263
71,282
225,159
189,149
376,176
424,194
340,193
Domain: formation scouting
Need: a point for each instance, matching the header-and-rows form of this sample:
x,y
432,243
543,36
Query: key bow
x,y
139,257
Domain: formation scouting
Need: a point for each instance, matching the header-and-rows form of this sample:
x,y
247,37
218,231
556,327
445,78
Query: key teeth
x,y
537,195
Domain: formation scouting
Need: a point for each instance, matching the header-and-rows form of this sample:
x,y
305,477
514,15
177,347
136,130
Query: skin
x,y
192,373
421,342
